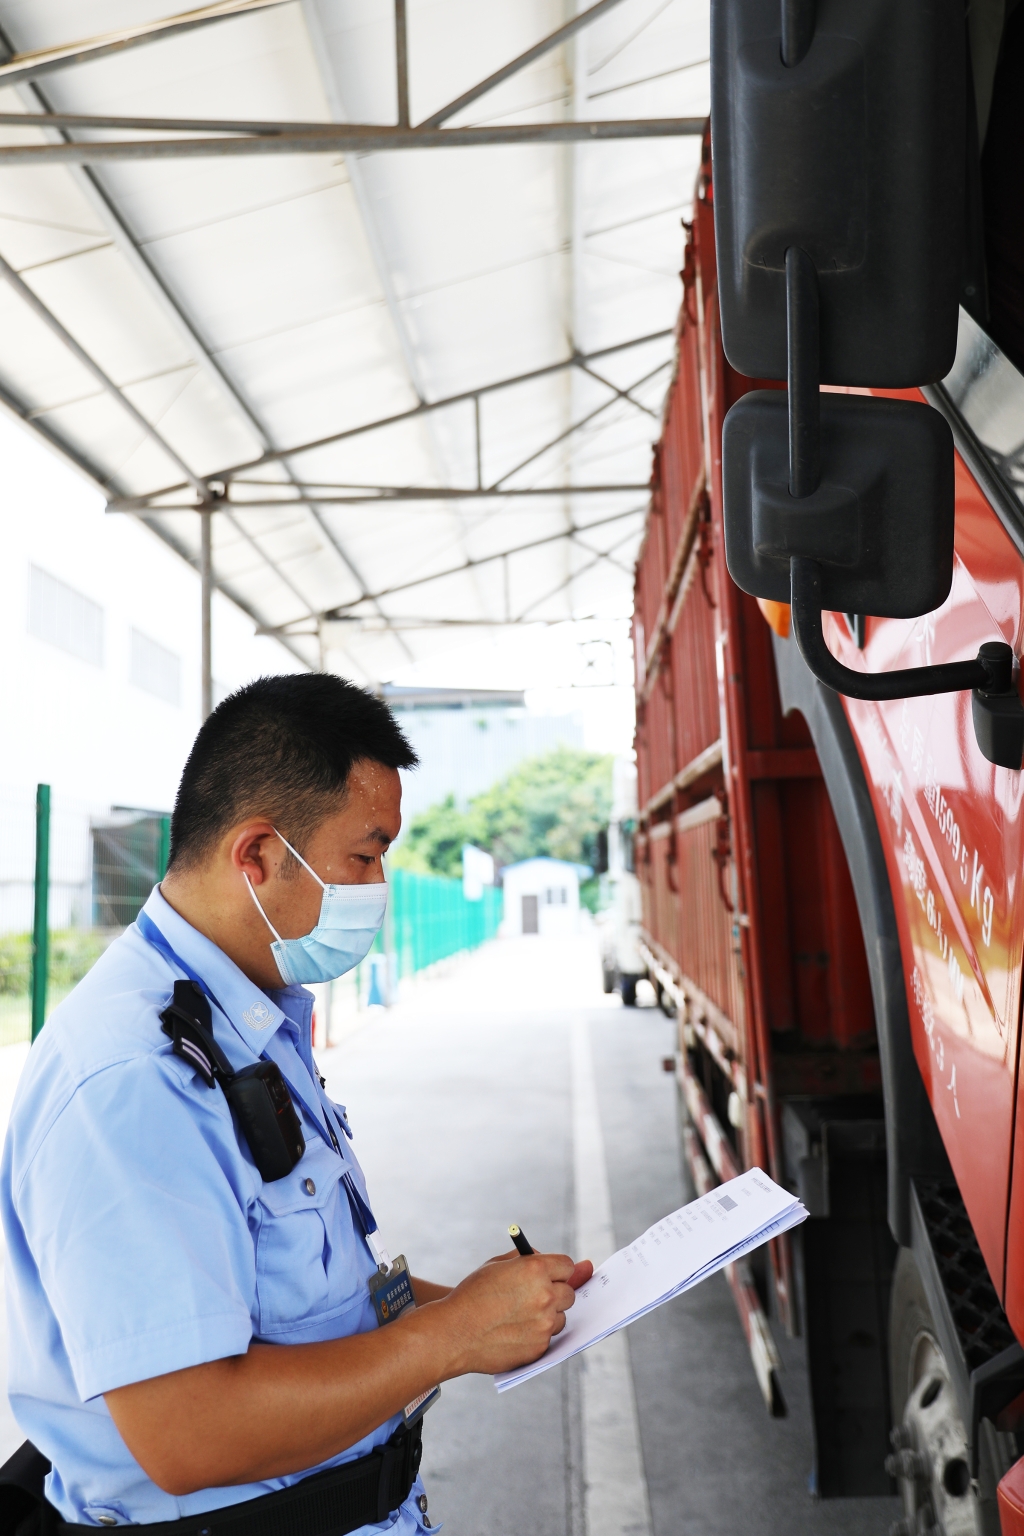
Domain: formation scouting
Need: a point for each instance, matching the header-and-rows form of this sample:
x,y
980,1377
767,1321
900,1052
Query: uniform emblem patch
x,y
258,1016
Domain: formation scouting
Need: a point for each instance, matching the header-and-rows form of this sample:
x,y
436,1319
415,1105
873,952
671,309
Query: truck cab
x,y
831,886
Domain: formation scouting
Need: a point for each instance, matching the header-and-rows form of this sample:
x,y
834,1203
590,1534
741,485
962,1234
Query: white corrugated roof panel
x,y
246,304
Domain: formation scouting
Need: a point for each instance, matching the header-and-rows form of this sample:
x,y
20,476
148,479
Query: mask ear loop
x,y
301,860
259,905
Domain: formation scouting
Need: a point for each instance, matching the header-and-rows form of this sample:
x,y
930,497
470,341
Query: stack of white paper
x,y
672,1256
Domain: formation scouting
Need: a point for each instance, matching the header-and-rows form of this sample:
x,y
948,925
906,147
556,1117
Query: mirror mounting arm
x,y
910,682
803,373
996,706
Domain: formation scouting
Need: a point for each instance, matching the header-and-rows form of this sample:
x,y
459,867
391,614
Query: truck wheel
x,y
930,1457
627,987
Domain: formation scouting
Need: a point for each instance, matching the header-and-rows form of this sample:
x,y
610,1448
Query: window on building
x,y
155,668
63,617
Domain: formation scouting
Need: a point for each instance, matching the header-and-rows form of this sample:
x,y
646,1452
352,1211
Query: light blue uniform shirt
x,y
140,1237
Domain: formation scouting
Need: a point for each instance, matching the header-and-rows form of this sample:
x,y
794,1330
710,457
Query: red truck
x,y
833,886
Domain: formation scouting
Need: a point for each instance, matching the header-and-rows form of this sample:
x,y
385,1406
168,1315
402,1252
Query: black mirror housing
x,y
880,523
838,129
855,153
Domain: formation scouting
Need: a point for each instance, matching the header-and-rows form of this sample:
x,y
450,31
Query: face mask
x,y
350,919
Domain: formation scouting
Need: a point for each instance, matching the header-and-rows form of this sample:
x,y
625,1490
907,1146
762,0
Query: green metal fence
x,y
73,875
430,919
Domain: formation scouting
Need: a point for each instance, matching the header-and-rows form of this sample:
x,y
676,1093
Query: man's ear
x,y
253,850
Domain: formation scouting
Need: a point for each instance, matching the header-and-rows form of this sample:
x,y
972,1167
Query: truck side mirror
x,y
838,131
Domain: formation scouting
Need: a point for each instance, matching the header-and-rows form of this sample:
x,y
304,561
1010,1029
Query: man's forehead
x,y
371,807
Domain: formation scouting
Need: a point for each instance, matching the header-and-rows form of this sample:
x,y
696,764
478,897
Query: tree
x,y
432,844
553,805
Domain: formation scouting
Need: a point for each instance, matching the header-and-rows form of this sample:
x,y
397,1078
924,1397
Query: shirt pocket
x,y
312,1263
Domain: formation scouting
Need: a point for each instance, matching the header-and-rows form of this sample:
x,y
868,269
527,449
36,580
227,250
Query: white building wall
x,y
84,727
555,887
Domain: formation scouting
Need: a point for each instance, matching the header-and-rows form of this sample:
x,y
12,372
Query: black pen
x,y
519,1238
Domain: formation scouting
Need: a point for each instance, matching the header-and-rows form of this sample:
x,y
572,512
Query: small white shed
x,y
542,896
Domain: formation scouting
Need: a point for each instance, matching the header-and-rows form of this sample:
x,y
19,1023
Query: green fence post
x,y
163,853
41,922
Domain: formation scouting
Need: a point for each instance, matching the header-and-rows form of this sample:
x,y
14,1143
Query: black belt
x,y
361,1492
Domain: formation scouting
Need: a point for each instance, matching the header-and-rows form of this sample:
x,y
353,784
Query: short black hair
x,y
283,748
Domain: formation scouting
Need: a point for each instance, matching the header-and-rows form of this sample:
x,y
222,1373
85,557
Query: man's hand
x,y
506,1313
286,1407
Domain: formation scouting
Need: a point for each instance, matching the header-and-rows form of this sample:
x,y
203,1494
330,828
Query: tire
x,y
930,1457
627,988
607,979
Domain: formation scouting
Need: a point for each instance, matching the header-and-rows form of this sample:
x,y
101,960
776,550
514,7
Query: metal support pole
x,y
402,63
206,578
41,920
479,455
163,852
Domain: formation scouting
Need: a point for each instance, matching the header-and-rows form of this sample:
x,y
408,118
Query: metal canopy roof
x,y
330,338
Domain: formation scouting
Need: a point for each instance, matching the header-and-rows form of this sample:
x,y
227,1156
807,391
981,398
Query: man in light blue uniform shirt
x,y
186,1334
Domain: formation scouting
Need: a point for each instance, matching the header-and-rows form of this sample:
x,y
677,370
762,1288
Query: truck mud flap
x,y
844,1255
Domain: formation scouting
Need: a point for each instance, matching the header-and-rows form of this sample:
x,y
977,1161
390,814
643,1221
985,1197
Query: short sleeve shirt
x,y
141,1238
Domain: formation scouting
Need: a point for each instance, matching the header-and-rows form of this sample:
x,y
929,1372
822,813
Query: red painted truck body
x,y
755,930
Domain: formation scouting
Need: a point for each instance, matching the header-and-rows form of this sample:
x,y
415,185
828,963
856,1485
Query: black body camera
x,y
258,1095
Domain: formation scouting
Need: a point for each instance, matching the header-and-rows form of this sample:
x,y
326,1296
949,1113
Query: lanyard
x,y
151,933
361,1213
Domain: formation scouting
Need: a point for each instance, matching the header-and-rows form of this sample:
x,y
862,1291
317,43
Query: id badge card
x,y
391,1294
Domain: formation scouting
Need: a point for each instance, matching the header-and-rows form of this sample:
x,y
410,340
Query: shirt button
x,y
107,1519
309,1187
422,1502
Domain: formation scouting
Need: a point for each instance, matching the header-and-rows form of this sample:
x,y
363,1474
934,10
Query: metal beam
x,y
276,455
623,394
368,217
43,61
130,249
93,122
384,495
402,63
241,603
365,621
29,297
471,564
578,425
567,581
206,612
600,554
80,460
538,51
376,627
347,138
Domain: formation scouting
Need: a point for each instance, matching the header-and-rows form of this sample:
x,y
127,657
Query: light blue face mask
x,y
350,919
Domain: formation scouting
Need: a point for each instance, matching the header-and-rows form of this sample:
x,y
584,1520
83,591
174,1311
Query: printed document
x,y
675,1254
